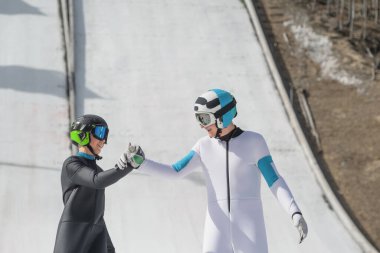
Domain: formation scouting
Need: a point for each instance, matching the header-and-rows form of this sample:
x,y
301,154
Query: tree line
x,y
359,20
353,14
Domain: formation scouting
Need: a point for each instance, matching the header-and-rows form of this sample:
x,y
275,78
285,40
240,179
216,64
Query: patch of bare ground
x,y
336,72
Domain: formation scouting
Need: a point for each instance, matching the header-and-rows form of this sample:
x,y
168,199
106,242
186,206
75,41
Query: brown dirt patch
x,y
347,118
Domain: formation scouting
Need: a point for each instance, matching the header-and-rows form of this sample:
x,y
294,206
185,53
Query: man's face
x,y
96,144
211,130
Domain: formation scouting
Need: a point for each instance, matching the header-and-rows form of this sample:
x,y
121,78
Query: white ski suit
x,y
234,219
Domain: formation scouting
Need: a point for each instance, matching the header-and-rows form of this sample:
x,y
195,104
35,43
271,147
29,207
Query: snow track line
x,y
26,166
353,230
67,20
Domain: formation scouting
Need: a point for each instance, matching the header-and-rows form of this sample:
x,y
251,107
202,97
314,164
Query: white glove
x,y
122,163
300,223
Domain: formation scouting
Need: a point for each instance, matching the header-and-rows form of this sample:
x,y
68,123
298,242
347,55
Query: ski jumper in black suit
x,y
82,228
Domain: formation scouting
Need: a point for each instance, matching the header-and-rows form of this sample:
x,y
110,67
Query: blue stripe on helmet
x,y
267,170
178,166
225,98
228,117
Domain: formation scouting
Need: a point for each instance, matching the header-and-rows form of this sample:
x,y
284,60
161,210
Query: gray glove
x,y
132,157
135,156
300,223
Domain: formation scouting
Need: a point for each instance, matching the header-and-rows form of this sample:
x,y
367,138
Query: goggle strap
x,y
82,127
225,109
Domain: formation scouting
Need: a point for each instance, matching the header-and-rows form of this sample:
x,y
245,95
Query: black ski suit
x,y
82,228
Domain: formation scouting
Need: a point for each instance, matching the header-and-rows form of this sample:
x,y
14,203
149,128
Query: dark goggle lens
x,y
100,132
203,118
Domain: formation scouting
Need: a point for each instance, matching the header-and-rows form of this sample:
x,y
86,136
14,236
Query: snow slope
x,y
141,65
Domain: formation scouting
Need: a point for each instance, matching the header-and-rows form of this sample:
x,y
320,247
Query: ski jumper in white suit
x,y
232,167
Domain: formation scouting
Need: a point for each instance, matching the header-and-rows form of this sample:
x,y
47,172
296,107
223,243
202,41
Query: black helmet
x,y
84,125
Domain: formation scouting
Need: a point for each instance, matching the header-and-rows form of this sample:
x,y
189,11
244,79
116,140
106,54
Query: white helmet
x,y
215,107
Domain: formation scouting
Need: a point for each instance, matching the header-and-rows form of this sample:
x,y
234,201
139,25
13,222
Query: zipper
x,y
228,177
228,190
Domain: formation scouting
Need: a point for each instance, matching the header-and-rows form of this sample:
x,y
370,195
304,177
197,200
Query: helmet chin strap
x,y
218,132
97,157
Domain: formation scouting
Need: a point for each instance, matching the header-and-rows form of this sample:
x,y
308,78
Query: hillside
x,y
333,79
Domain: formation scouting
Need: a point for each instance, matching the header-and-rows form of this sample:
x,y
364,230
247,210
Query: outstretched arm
x,y
177,170
80,174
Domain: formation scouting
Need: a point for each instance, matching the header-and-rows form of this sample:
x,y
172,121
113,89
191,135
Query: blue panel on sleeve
x,y
178,166
266,168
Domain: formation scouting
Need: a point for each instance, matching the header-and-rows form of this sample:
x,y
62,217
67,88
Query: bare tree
x,y
351,17
375,62
314,3
340,14
364,15
328,7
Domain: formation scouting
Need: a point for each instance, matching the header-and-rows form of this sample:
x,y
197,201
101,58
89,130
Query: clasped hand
x,y
133,157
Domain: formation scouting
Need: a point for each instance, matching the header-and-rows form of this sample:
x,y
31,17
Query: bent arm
x,y
80,174
177,170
